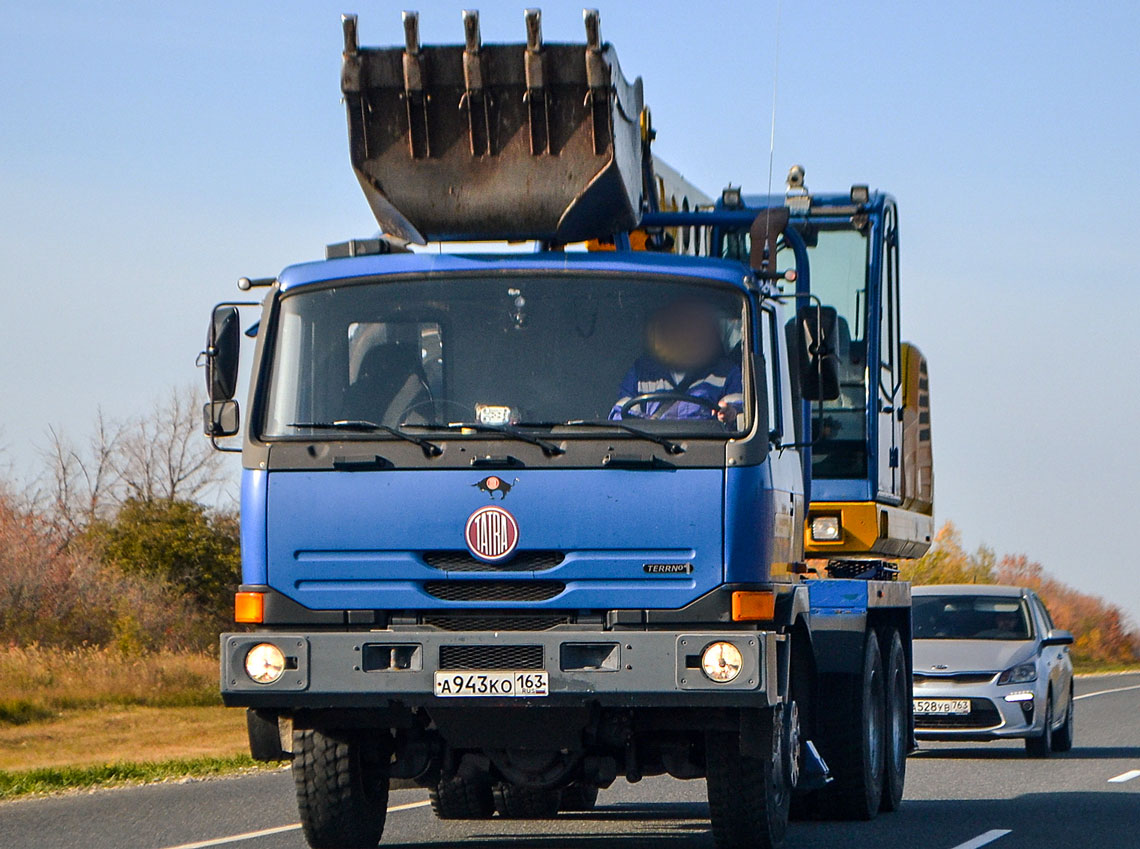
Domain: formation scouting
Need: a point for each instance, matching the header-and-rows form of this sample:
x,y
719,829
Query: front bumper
x,y
991,717
628,668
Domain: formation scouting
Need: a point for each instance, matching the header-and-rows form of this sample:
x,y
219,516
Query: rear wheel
x,y
578,797
457,798
1041,745
897,737
342,788
525,803
1063,736
853,731
748,797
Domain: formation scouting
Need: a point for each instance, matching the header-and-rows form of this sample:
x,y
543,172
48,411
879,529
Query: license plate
x,y
497,684
942,706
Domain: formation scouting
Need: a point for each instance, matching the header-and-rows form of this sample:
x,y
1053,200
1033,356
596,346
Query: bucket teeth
x,y
533,19
471,38
593,23
411,32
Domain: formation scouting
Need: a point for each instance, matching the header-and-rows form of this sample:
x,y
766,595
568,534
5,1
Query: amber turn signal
x,y
249,608
753,606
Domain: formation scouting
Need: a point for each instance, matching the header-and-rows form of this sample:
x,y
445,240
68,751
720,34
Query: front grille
x,y
494,621
983,714
491,657
494,590
955,678
524,561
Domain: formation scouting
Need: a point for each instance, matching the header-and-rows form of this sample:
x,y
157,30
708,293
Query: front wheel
x,y
1063,736
1041,745
748,797
342,788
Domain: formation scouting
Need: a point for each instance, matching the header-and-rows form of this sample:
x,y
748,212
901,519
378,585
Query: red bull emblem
x,y
492,534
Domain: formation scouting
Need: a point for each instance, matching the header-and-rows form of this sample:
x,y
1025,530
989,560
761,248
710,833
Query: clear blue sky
x,y
151,153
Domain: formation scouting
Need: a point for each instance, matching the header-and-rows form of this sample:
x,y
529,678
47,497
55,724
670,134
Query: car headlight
x,y
825,528
264,663
1023,673
721,662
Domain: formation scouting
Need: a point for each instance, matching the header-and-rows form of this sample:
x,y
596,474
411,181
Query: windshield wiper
x,y
669,445
548,448
362,426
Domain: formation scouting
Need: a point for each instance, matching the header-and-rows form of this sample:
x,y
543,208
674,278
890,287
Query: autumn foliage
x,y
1104,635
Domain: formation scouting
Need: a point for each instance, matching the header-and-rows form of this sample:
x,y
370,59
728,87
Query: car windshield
x,y
512,351
970,617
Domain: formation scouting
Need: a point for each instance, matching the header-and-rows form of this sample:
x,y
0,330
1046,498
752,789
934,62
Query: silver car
x,y
988,665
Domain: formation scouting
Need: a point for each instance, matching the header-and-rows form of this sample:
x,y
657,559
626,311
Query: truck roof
x,y
312,273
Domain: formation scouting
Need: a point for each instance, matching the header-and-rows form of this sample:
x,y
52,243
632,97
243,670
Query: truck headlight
x,y
721,662
825,528
264,663
1023,673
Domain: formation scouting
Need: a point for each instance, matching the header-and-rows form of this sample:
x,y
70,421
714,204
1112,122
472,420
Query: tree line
x,y
115,542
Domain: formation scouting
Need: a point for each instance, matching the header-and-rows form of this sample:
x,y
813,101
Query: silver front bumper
x,y
642,668
992,718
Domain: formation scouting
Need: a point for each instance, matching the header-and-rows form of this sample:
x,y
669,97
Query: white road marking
x,y
1125,776
984,839
281,829
1106,692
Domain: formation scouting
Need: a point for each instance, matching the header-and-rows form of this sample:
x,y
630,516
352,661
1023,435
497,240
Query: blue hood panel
x,y
354,540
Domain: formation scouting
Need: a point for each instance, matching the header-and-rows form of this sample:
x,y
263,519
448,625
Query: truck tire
x,y
1041,745
853,729
342,788
457,798
1063,736
897,728
525,803
578,797
748,797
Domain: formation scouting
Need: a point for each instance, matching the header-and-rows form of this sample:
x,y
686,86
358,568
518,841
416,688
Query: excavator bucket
x,y
503,141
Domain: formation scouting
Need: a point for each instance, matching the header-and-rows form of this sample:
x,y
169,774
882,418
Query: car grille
x,y
491,657
524,561
494,621
983,714
955,678
494,590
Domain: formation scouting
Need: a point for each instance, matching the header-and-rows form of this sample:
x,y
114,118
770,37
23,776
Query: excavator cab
x,y
864,429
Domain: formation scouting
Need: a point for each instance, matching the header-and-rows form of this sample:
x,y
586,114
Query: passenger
x,y
685,354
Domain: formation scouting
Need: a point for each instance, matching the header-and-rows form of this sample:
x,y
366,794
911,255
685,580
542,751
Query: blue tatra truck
x,y
608,481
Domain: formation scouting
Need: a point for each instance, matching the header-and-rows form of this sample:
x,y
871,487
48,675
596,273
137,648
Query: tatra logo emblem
x,y
492,534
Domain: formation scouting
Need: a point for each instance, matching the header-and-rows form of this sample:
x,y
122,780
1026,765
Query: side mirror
x,y
223,345
819,364
221,418
1057,638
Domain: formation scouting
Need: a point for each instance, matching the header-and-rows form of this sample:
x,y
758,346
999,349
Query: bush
x,y
57,594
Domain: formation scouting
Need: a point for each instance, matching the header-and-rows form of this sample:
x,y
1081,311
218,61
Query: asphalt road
x,y
959,796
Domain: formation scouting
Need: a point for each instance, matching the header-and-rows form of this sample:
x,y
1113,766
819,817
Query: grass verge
x,y
56,779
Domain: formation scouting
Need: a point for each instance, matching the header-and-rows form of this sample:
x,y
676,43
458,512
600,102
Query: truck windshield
x,y
511,351
970,617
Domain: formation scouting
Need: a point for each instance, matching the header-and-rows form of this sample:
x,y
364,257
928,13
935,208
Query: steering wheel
x,y
637,400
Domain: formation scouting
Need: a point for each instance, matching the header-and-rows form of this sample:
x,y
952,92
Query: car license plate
x,y
500,684
942,706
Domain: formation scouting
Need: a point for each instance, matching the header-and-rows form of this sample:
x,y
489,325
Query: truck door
x,y
890,363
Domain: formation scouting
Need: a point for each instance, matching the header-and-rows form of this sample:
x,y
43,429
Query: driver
x,y
685,355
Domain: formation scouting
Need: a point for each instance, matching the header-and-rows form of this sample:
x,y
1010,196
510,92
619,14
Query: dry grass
x,y
117,735
40,683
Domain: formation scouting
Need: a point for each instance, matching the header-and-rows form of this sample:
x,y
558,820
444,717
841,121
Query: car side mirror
x,y
223,347
1057,637
221,418
817,329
